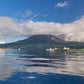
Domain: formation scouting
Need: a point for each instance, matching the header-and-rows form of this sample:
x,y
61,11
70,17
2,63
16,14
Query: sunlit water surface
x,y
41,67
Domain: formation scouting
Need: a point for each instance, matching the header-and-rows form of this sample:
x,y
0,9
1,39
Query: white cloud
x,y
27,13
2,42
10,28
45,15
35,15
61,4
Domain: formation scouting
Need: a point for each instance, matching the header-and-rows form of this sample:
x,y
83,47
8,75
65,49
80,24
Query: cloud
x,y
45,15
61,4
35,15
27,13
2,42
10,27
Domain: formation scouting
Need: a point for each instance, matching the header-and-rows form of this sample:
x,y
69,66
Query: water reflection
x,y
32,64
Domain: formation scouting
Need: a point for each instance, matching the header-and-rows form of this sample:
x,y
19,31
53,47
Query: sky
x,y
20,19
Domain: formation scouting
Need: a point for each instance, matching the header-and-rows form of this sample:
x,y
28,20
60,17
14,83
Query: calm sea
x,y
41,67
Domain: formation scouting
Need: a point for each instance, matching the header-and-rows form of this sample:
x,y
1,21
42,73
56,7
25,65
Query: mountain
x,y
34,40
44,38
42,41
61,36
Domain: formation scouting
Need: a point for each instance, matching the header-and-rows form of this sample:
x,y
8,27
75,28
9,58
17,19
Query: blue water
x,y
41,67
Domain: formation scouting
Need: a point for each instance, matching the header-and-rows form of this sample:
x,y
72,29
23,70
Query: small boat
x,y
55,48
66,49
50,49
18,48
